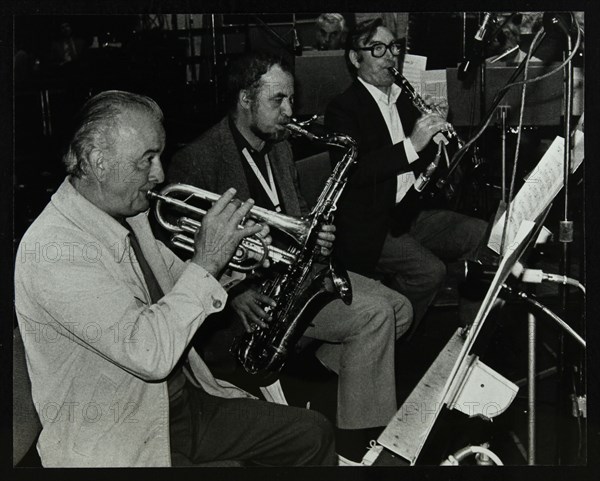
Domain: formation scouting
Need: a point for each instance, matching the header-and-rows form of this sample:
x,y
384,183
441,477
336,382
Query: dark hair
x,y
359,36
245,73
96,119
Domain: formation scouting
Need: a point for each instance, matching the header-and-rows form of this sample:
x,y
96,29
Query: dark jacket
x,y
212,162
367,210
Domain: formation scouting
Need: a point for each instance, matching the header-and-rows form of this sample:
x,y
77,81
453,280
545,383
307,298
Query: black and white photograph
x,y
300,241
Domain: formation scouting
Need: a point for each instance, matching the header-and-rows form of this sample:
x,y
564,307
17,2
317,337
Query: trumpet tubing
x,y
185,227
292,226
191,226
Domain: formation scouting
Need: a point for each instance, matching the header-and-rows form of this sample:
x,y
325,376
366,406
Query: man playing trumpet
x,y
107,313
248,150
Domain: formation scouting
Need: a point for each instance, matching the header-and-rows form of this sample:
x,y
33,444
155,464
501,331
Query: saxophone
x,y
263,351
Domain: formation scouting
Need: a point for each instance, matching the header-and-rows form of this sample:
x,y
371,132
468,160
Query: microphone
x,y
473,58
556,23
475,277
479,36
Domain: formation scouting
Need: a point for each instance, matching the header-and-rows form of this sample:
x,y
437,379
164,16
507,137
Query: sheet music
x,y
540,188
408,430
413,69
578,154
435,85
405,182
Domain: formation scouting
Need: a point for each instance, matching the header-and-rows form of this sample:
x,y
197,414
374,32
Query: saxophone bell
x,y
263,351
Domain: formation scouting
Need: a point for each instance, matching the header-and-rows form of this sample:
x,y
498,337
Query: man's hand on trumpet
x,y
219,236
264,235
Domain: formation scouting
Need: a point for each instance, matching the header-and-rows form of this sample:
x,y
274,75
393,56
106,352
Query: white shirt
x,y
387,107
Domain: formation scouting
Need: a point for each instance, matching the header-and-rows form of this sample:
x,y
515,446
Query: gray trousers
x,y
204,428
360,348
416,260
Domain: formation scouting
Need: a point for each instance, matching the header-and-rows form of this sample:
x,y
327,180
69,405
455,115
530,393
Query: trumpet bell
x,y
187,199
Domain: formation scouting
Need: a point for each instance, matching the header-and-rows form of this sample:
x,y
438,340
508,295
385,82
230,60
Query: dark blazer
x,y
367,211
212,162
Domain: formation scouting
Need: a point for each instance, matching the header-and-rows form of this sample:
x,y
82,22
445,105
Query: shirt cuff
x,y
231,278
411,153
198,284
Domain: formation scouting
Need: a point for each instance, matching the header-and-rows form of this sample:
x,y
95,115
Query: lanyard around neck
x,y
269,187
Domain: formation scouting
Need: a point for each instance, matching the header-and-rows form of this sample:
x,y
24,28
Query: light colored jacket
x,y
98,352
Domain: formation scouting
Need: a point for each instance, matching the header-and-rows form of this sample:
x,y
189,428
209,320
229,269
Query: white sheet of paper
x,y
540,188
435,85
413,68
577,149
405,182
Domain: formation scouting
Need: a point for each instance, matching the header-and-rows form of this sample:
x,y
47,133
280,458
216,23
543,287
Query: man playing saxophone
x,y
247,150
377,234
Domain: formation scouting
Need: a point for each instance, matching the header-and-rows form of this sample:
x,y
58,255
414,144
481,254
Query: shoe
x,y
342,461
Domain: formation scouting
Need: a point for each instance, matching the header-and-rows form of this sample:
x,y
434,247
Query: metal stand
x,y
531,351
215,77
565,235
503,116
456,158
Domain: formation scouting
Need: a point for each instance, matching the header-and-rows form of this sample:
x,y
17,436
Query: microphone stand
x,y
490,112
282,42
566,238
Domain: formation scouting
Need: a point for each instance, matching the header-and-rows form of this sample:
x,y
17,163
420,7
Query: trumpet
x,y
185,228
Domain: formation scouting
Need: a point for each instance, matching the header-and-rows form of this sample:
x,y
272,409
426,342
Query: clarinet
x,y
441,138
423,106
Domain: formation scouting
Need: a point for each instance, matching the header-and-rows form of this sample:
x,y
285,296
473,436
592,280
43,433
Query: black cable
x,y
524,296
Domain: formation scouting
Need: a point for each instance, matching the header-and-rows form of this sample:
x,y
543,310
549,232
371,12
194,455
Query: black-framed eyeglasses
x,y
378,49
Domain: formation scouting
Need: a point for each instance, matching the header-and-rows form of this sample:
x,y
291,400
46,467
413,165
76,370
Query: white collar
x,y
379,96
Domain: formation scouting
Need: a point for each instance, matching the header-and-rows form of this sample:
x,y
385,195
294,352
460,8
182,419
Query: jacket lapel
x,y
143,232
283,178
408,113
375,127
230,172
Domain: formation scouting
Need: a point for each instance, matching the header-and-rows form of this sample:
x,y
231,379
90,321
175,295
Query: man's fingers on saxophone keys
x,y
326,236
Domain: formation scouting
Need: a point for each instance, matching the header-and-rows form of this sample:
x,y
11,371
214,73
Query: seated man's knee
x,y
381,319
318,439
435,271
403,313
474,238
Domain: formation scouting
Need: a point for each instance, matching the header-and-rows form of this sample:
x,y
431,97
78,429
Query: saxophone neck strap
x,y
268,186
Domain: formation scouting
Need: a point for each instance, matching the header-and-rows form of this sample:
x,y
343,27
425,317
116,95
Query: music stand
x,y
544,99
320,76
456,379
